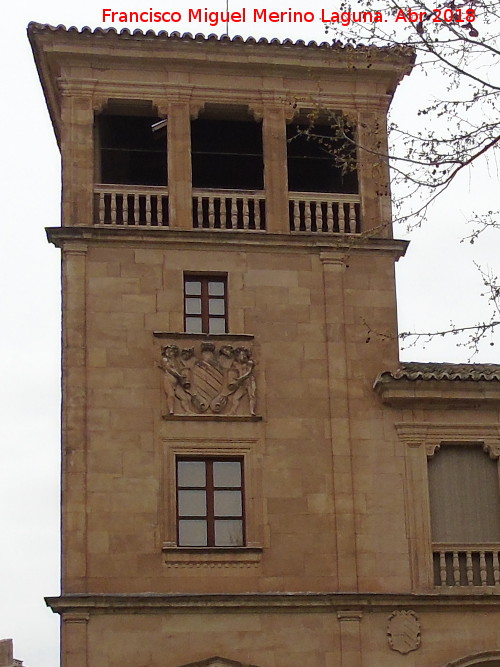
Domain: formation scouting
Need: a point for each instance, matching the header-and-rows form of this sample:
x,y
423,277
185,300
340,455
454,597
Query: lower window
x,y
210,502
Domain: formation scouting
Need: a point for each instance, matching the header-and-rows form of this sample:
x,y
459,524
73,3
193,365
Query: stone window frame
x,y
422,440
210,490
205,297
210,448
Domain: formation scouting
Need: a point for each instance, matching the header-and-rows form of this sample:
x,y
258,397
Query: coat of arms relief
x,y
403,631
208,380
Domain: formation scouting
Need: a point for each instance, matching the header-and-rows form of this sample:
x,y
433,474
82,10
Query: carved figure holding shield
x,y
175,384
242,380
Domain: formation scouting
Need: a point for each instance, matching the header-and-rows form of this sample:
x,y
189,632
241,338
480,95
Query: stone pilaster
x,y
179,164
275,168
74,651
77,152
373,172
350,638
74,487
342,471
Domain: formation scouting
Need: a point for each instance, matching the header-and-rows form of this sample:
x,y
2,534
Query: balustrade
x,y
459,565
128,205
229,209
323,213
133,206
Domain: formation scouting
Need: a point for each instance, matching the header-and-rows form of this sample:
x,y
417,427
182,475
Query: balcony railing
x,y
245,210
466,565
323,213
128,205
229,209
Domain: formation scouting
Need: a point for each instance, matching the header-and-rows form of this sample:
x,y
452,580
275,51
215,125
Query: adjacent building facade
x,y
7,654
250,475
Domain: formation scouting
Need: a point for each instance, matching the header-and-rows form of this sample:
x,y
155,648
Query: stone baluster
x,y
211,213
482,568
308,214
329,216
246,215
102,208
125,209
256,211
442,568
113,208
496,567
136,208
469,568
456,569
341,218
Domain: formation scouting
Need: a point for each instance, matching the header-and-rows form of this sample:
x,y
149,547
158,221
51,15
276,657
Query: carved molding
x,y
257,110
76,617
403,631
432,436
492,449
208,380
350,616
217,661
431,449
334,258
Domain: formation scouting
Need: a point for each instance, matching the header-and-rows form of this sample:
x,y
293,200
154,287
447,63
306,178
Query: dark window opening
x,y
205,304
131,153
464,496
210,503
227,154
321,158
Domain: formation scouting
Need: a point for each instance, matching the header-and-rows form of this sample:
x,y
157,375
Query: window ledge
x,y
211,556
212,417
182,335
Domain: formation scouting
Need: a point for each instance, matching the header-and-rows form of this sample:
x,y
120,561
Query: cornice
x,y
433,435
63,52
274,602
171,90
264,241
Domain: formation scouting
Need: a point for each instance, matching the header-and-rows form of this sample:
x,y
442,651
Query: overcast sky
x,y
437,282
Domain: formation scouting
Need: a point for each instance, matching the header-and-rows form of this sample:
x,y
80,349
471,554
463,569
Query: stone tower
x,y
250,477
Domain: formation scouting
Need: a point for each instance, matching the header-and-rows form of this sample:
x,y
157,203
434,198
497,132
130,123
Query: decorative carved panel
x,y
403,631
208,379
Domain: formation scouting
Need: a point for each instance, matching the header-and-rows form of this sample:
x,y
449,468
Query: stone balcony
x,y
235,210
460,565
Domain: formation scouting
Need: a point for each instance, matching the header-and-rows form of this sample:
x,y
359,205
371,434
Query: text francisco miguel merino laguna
x,y
255,15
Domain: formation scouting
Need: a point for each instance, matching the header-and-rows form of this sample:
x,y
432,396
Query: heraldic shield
x,y
207,380
403,631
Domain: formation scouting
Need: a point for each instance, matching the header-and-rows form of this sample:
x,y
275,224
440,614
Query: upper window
x,y
464,495
226,148
321,156
210,502
205,304
131,153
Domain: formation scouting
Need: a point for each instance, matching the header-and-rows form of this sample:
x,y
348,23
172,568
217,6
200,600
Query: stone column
x,y
373,172
74,640
77,153
275,167
179,164
417,500
74,445
350,638
342,470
